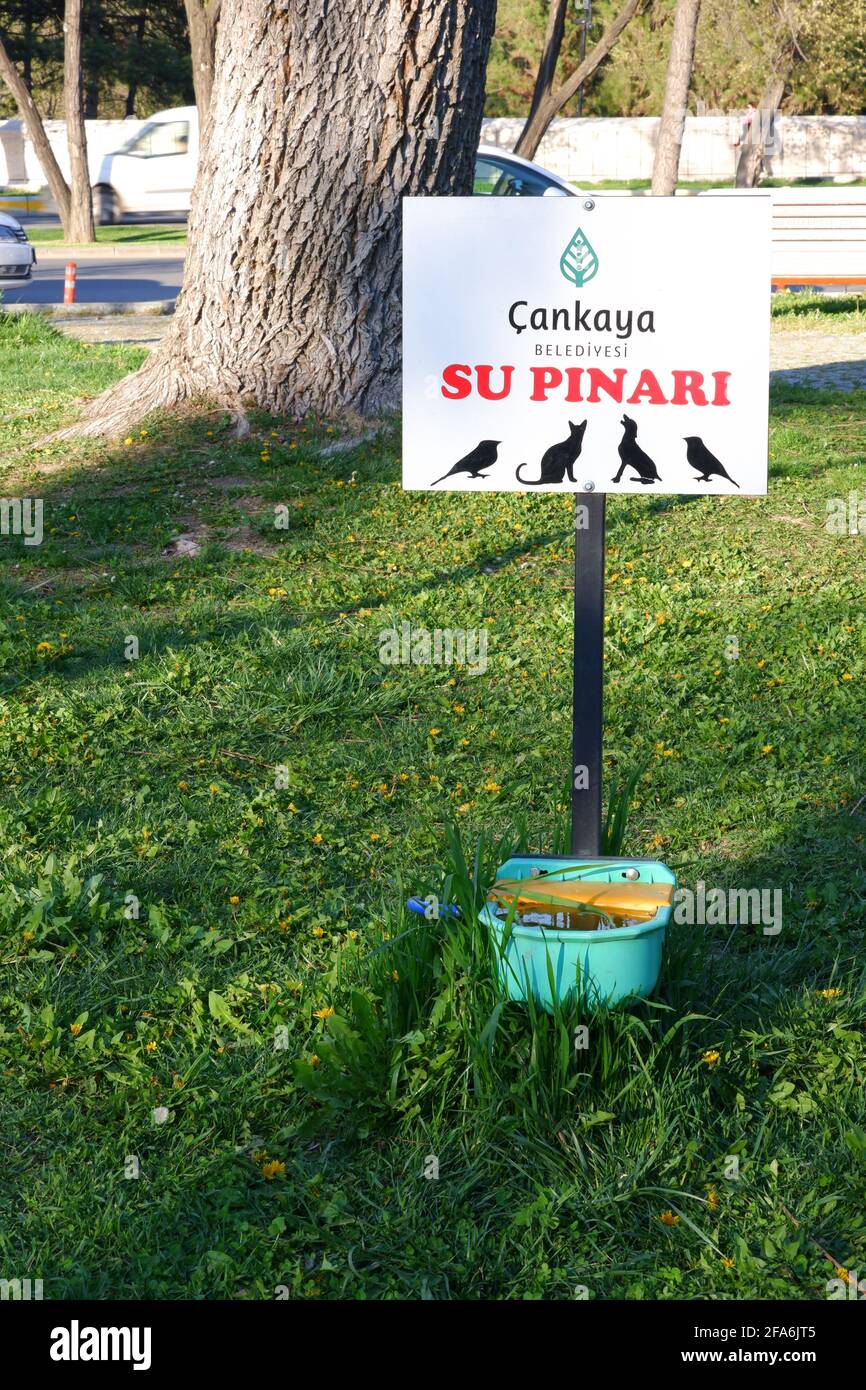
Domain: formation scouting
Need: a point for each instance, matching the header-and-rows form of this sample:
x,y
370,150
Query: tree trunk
x,y
549,54
91,90
322,118
750,163
132,89
547,105
80,228
36,131
202,17
666,165
28,45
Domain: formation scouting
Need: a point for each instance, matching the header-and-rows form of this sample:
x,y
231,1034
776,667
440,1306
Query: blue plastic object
x,y
601,967
419,906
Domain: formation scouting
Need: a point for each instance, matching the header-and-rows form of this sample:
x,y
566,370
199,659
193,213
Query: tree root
x,y
164,382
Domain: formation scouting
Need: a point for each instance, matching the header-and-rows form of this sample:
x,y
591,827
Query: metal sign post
x,y
577,344
586,762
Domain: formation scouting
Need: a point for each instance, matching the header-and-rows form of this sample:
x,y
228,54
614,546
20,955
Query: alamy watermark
x,y
444,646
22,516
729,907
846,516
20,1290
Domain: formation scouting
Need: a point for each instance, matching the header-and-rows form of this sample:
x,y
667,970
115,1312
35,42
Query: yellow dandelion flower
x,y
318,931
314,1059
75,1029
317,838
727,1262
667,1218
273,1169
323,1013
151,1047
828,993
768,748
434,732
711,1058
712,1199
234,899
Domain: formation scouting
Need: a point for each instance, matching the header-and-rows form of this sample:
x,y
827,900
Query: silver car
x,y
17,256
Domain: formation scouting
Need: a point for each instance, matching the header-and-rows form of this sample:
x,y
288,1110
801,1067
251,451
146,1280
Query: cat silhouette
x,y
559,459
632,456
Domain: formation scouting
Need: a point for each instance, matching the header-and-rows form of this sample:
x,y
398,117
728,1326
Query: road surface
x,y
109,280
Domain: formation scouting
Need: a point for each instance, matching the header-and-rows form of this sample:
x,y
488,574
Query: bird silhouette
x,y
482,456
632,456
706,463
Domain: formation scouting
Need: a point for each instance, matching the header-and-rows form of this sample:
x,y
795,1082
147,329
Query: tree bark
x,y
91,90
202,17
666,165
36,131
322,118
549,54
80,228
132,89
750,163
549,103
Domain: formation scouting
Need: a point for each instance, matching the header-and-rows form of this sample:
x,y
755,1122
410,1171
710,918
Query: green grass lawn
x,y
205,849
125,234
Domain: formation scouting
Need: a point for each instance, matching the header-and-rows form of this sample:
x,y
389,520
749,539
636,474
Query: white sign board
x,y
595,343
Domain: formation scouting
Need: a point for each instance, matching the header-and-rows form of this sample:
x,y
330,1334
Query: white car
x,y
155,170
505,175
17,256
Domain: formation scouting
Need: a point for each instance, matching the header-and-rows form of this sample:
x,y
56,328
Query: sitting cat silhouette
x,y
632,456
559,459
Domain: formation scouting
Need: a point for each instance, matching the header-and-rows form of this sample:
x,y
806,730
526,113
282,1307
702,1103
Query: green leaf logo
x,y
578,262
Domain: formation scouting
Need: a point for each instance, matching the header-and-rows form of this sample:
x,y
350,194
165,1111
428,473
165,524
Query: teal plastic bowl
x,y
598,967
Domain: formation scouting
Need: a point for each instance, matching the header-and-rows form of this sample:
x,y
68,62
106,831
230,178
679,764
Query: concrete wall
x,y
622,147
617,147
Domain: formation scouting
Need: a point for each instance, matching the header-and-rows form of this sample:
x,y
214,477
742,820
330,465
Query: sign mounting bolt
x,y
589,486
588,204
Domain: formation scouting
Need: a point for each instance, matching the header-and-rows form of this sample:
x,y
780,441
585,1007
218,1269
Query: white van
x,y
153,172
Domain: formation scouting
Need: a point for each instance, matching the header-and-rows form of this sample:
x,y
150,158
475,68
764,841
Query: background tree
x,y
737,44
80,227
548,101
135,55
36,130
72,199
202,17
666,164
291,294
